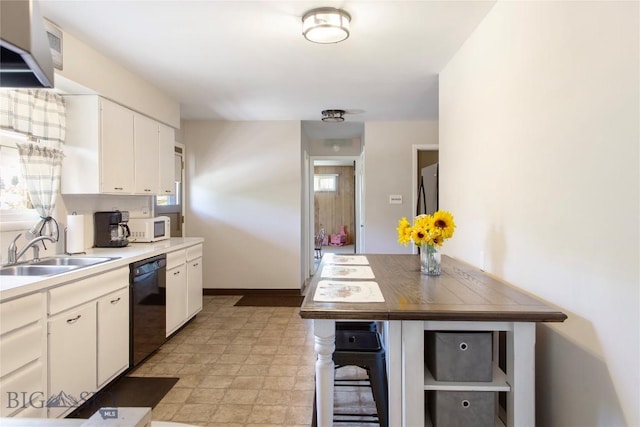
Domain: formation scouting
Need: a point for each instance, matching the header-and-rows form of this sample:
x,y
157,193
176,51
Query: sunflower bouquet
x,y
429,233
431,230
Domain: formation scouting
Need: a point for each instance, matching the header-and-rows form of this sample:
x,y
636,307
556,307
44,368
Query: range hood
x,y
25,59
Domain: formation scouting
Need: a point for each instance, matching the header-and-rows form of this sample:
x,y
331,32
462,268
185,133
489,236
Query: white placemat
x,y
347,259
347,271
345,291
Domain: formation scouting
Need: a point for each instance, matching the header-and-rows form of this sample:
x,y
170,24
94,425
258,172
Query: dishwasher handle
x,y
148,265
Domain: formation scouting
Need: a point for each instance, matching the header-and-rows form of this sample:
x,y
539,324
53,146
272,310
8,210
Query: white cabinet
x,y
176,290
194,280
113,335
88,337
184,286
22,349
145,142
98,147
72,358
110,149
166,163
116,148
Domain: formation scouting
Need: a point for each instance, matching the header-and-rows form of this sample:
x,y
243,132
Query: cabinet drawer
x,y
20,312
20,347
23,391
84,290
462,408
175,259
194,252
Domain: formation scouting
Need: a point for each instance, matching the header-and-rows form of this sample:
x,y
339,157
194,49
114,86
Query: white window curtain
x,y
40,114
37,113
40,166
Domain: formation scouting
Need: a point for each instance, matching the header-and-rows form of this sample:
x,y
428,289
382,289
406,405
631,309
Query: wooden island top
x,y
461,293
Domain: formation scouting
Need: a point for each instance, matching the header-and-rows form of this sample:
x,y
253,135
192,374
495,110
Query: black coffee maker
x,y
110,229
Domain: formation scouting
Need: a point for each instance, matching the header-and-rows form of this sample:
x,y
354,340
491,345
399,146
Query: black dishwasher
x,y
147,289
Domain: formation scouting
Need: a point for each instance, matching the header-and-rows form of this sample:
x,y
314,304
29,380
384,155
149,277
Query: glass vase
x,y
430,260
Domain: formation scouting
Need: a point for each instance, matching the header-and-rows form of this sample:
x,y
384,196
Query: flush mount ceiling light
x,y
333,116
326,25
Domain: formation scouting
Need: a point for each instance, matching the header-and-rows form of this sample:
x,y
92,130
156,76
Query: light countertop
x,y
17,286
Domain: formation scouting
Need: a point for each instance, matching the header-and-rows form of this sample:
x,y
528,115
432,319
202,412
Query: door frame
x,y
414,175
358,236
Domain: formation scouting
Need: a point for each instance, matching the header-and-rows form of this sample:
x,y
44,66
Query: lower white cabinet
x,y
176,297
113,335
88,338
72,359
22,349
194,280
184,286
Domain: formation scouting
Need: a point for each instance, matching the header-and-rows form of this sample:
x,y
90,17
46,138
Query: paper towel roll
x,y
75,233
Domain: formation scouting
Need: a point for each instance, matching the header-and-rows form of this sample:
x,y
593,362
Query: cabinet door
x,y
116,148
113,335
72,359
194,287
145,142
176,298
166,162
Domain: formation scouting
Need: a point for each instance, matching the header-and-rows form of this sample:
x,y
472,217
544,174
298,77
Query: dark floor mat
x,y
270,301
145,392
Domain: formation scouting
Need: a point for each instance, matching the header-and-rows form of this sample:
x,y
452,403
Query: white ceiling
x,y
247,60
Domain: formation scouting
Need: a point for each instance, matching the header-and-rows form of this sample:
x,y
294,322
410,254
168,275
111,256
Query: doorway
x,y
425,160
334,206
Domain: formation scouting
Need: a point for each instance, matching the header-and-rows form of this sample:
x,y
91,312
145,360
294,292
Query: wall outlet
x,y
145,210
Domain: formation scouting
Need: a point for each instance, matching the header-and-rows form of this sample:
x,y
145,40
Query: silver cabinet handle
x,y
175,273
115,301
117,188
74,320
196,264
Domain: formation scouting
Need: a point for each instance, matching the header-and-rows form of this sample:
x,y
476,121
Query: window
x,y
325,182
15,206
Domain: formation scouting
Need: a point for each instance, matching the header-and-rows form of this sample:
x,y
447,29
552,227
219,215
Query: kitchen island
x,y
462,298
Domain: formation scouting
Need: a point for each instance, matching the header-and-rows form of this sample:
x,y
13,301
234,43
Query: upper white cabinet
x,y
116,148
110,149
166,162
145,143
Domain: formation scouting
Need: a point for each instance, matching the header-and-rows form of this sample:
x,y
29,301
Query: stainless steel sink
x,y
74,261
34,270
51,266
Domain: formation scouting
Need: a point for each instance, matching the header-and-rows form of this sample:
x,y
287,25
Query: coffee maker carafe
x,y
110,229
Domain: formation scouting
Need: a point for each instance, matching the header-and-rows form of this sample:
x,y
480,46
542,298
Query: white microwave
x,y
149,229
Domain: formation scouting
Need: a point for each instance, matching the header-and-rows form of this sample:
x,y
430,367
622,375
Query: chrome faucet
x,y
14,255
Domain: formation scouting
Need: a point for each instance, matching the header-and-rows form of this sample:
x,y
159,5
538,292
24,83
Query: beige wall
x,y
244,181
388,151
540,166
86,70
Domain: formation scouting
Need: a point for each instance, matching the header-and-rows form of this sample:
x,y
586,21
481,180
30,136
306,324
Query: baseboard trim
x,y
270,292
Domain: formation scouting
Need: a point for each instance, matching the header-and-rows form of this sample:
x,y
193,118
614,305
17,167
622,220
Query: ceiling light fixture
x,y
326,25
334,116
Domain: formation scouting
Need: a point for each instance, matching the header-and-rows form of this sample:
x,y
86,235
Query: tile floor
x,y
245,366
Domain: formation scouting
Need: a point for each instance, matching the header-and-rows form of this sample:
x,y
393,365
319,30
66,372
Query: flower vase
x,y
430,260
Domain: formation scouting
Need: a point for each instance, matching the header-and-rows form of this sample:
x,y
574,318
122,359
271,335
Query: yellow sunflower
x,y
443,222
404,231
